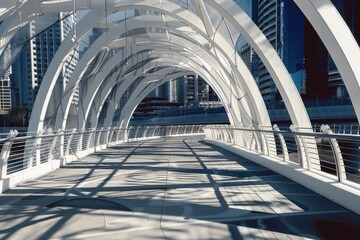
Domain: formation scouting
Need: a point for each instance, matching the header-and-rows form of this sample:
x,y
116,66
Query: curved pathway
x,y
169,188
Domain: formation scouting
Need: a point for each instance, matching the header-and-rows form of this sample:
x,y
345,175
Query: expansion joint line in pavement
x,y
164,198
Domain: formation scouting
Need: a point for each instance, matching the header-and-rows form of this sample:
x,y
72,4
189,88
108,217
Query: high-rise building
x,y
244,49
173,85
292,42
269,24
203,90
212,96
282,22
251,60
30,67
250,7
161,91
5,85
197,90
180,89
191,88
324,85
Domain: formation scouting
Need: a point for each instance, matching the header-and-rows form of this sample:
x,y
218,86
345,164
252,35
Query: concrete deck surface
x,y
171,188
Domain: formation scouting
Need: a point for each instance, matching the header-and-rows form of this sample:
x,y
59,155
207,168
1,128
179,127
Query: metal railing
x,y
21,153
323,151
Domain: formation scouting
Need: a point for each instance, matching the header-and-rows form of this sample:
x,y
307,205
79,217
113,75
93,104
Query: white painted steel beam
x,y
118,56
248,29
339,41
262,114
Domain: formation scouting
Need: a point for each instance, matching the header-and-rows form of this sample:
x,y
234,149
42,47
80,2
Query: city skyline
x,y
298,45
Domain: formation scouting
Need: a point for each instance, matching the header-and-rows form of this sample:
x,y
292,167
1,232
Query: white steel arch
x,y
202,20
116,59
339,41
164,61
97,48
256,38
190,65
243,23
321,13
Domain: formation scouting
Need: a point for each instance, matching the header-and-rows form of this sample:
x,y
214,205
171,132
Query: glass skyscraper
x,y
282,22
244,49
30,67
292,42
269,24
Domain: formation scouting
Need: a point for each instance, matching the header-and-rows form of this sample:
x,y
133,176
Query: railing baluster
x,y
5,152
339,161
283,144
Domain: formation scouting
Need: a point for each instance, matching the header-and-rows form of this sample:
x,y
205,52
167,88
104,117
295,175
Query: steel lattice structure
x,y
194,36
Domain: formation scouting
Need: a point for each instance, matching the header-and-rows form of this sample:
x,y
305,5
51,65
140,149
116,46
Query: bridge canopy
x,y
125,49
119,51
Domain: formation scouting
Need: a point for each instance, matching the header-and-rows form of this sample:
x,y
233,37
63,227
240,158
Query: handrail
x,y
25,153
305,134
330,153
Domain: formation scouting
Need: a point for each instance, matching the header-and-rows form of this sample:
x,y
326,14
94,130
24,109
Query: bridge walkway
x,y
171,188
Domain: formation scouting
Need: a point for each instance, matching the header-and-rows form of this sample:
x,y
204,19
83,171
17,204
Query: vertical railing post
x,y
220,134
282,143
159,131
228,136
120,131
52,152
111,134
107,136
60,144
212,133
68,147
302,149
231,132
36,149
136,132
224,134
91,138
255,138
127,133
163,131
154,132
171,128
81,139
145,131
339,161
263,141
98,139
246,143
5,152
